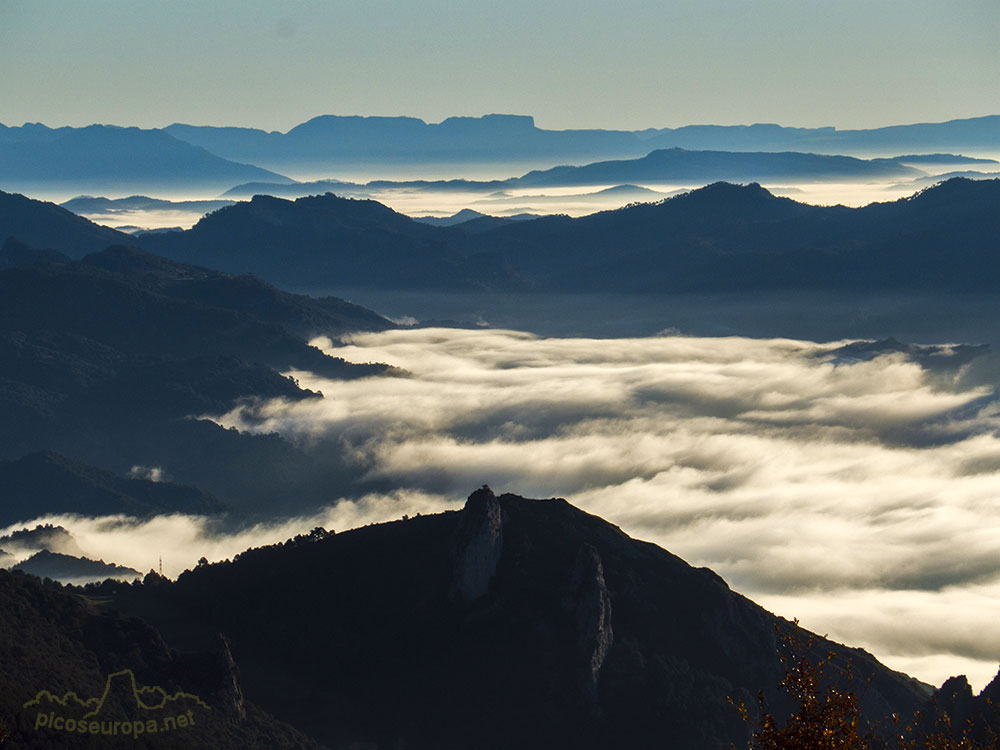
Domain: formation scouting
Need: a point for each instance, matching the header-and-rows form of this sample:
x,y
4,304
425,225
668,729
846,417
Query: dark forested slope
x,y
55,641
105,359
720,238
514,623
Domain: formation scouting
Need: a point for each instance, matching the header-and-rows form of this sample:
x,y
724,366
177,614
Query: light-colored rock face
x,y
231,683
591,606
478,545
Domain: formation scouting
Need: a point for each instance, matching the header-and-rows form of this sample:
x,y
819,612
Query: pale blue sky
x,y
582,63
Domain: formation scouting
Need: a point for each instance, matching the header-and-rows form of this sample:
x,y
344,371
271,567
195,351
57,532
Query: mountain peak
x,y
513,613
478,544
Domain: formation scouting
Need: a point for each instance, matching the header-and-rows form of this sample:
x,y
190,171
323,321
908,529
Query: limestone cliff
x,y
591,607
477,545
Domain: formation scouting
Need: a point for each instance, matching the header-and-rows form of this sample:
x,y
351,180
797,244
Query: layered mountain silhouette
x,y
326,239
62,567
674,165
42,225
86,204
723,237
938,159
680,166
70,658
113,159
472,221
513,623
34,157
43,536
139,345
332,140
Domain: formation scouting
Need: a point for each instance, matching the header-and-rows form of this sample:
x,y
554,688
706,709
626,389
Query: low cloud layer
x,y
180,540
855,489
858,491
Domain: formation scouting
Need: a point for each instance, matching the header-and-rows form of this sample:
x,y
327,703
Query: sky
x,y
630,64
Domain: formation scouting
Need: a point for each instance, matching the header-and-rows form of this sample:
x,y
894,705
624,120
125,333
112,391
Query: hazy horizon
x,y
625,66
835,125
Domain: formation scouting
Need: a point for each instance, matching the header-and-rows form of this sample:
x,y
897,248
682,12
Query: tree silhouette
x,y
828,717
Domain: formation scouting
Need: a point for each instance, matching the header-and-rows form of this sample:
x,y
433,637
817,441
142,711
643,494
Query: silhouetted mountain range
x,y
674,165
937,159
113,159
60,567
720,238
513,623
331,140
296,189
39,224
929,181
86,204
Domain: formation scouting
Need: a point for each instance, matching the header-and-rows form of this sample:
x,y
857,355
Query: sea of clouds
x,y
856,488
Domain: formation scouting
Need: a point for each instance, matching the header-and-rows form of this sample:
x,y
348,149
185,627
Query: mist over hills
x,y
86,204
59,566
664,166
720,238
45,482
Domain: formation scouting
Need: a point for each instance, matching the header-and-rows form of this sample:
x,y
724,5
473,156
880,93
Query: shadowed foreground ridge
x,y
512,623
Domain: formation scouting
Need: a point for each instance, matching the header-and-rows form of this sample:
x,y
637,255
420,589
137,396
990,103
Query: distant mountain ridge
x,y
673,165
679,165
86,204
62,567
121,160
113,159
331,139
46,483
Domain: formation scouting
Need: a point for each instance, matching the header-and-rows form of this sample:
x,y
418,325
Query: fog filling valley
x,y
853,489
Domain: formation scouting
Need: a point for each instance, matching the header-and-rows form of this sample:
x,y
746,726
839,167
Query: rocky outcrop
x,y
591,608
231,690
477,546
